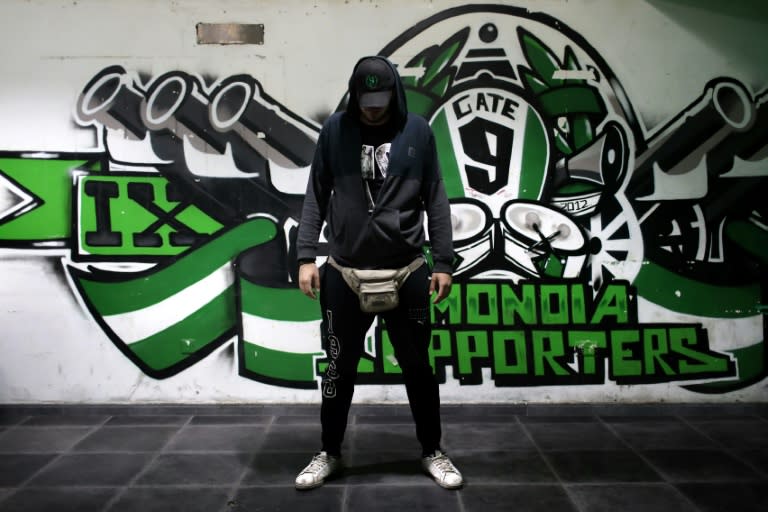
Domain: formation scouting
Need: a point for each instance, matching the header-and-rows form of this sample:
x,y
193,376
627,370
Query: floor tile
x,y
479,420
148,420
201,469
736,434
757,458
661,435
213,438
373,438
530,498
640,418
600,466
375,498
288,409
720,410
64,420
372,419
490,437
505,466
451,411
558,419
41,439
238,459
629,498
698,466
383,468
298,419
170,499
7,420
276,468
233,419
121,439
287,499
560,410
377,410
5,492
636,409
727,497
574,436
92,469
78,499
729,417
16,468
299,438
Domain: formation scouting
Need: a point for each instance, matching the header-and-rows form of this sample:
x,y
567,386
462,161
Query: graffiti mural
x,y
588,248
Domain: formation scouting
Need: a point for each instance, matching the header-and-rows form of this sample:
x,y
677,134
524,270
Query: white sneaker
x,y
440,467
320,467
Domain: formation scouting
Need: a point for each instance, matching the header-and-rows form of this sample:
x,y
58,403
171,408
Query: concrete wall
x,y
150,187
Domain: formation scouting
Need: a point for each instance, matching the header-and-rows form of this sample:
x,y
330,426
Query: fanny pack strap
x,y
412,266
369,197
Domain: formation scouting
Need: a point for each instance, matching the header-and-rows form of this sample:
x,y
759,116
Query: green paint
x,y
685,341
612,306
280,365
506,343
281,304
470,345
554,304
578,305
656,347
519,305
449,310
683,295
751,364
189,335
481,305
588,343
419,102
117,293
623,362
571,99
50,182
546,346
535,159
447,157
749,237
129,218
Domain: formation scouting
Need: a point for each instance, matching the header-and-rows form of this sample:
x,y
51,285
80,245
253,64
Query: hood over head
x,y
375,82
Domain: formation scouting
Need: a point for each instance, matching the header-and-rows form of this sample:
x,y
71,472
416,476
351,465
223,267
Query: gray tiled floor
x,y
518,457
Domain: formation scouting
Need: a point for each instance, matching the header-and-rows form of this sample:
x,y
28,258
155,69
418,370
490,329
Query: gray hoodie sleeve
x,y
315,206
438,211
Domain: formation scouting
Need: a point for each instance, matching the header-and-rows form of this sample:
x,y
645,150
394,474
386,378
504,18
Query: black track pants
x,y
344,327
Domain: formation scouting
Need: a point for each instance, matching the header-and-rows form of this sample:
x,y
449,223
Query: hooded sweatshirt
x,y
392,234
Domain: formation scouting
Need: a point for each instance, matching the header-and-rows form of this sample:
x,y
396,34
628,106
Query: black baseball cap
x,y
374,81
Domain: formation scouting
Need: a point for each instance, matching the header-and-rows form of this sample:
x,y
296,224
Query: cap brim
x,y
376,99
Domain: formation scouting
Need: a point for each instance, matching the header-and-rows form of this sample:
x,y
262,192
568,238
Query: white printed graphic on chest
x,y
372,158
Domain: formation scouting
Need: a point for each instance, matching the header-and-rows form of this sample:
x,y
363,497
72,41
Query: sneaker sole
x,y
442,484
449,487
307,487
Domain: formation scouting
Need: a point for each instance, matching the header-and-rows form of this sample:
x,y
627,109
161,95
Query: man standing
x,y
374,175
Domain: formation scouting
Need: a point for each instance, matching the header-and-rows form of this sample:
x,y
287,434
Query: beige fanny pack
x,y
377,289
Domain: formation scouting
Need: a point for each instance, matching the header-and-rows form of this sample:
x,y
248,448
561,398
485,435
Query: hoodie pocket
x,y
386,230
337,225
